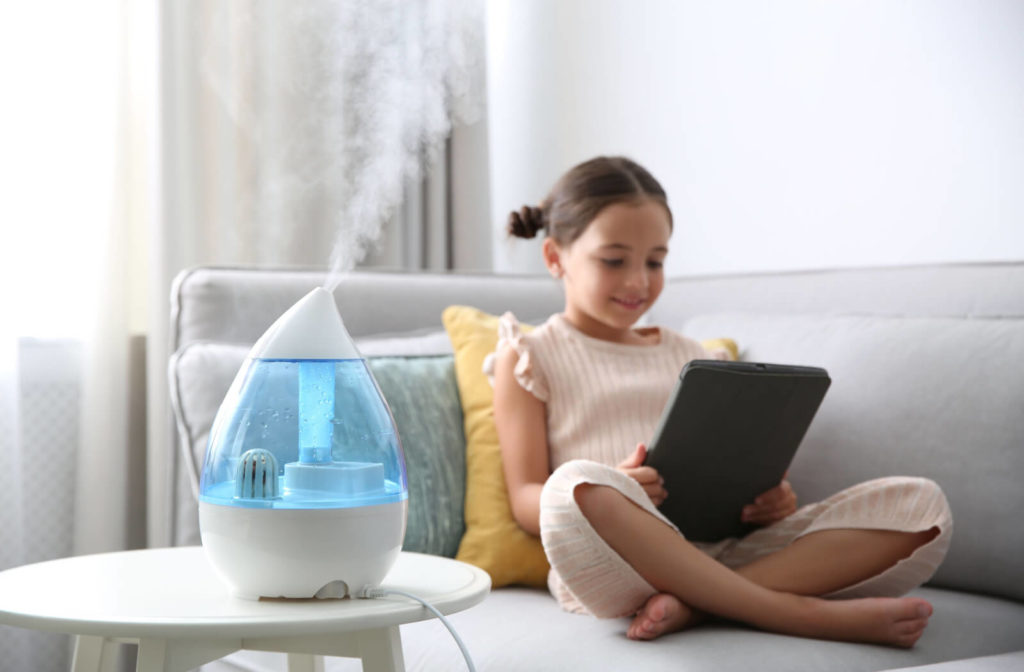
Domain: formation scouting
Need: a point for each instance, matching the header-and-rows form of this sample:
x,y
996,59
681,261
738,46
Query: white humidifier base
x,y
302,553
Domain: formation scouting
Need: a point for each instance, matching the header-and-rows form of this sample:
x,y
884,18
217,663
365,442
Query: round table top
x,y
174,592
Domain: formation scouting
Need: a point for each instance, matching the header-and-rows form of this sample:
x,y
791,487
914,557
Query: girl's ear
x,y
552,257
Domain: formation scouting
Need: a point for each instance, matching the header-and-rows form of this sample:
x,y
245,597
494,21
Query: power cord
x,y
377,593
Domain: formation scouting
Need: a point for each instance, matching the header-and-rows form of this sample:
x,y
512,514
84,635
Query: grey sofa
x,y
928,379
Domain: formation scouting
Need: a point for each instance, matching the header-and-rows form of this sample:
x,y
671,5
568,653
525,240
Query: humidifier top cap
x,y
311,329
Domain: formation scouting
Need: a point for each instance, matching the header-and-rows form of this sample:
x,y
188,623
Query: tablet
x,y
728,433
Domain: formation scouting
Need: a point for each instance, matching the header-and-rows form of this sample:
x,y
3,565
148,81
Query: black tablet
x,y
728,433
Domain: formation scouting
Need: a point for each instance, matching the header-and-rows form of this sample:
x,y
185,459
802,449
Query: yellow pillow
x,y
726,346
493,540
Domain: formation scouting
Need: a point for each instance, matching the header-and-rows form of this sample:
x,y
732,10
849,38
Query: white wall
x,y
789,134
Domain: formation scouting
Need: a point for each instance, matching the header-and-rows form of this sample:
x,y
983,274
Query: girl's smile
x,y
630,304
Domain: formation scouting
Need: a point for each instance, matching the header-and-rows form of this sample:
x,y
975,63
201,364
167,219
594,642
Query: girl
x,y
573,397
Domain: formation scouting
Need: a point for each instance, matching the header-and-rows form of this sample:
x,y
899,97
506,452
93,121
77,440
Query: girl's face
x,y
613,272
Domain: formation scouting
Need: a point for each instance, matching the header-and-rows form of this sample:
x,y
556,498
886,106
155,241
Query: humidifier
x,y
303,490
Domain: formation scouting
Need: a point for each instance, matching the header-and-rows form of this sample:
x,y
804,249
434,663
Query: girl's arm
x,y
520,419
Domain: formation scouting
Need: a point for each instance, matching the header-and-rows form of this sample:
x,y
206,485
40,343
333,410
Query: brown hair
x,y
580,194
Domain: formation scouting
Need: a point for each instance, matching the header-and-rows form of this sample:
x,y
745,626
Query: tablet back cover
x,y
728,434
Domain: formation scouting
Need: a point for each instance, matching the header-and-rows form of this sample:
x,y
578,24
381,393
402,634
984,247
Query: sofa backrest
x,y
988,290
236,305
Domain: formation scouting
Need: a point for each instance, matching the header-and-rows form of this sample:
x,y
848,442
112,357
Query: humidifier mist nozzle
x,y
312,329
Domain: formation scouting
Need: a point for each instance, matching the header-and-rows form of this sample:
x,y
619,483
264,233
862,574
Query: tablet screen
x,y
728,433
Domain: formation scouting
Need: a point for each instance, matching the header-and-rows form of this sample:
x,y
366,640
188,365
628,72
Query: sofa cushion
x,y
1003,662
936,397
523,629
431,434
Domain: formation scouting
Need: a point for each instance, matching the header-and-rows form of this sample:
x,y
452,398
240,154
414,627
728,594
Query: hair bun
x,y
526,222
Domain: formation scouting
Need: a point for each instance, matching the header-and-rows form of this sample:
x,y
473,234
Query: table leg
x,y
93,654
304,662
180,655
381,650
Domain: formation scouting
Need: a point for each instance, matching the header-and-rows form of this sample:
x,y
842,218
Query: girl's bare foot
x,y
880,620
663,613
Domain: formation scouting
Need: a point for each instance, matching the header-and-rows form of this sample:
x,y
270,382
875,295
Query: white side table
x,y
175,607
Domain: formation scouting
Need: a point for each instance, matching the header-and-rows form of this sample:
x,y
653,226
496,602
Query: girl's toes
x,y
663,613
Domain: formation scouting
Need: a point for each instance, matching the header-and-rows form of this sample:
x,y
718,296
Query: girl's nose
x,y
638,278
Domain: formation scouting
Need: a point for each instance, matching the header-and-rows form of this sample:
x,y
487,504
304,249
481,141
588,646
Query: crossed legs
x,y
773,593
853,556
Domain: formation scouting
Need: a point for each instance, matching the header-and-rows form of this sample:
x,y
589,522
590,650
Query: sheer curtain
x,y
64,488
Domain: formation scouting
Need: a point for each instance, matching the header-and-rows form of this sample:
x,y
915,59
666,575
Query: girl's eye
x,y
654,265
612,263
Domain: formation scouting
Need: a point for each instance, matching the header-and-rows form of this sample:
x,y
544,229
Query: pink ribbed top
x,y
602,398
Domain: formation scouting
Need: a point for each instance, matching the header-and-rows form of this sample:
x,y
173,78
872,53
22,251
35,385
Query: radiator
x,y
49,386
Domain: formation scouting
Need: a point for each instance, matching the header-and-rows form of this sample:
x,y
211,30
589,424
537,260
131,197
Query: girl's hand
x,y
648,477
771,506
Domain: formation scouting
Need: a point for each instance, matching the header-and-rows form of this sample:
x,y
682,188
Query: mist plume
x,y
343,103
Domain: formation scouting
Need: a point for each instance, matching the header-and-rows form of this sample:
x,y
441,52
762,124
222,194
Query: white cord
x,y
383,592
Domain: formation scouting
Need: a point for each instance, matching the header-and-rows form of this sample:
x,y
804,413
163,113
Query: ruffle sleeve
x,y
527,374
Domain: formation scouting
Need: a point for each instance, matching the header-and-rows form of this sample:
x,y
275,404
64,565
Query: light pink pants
x,y
587,576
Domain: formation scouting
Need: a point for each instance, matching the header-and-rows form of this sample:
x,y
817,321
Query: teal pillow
x,y
424,401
